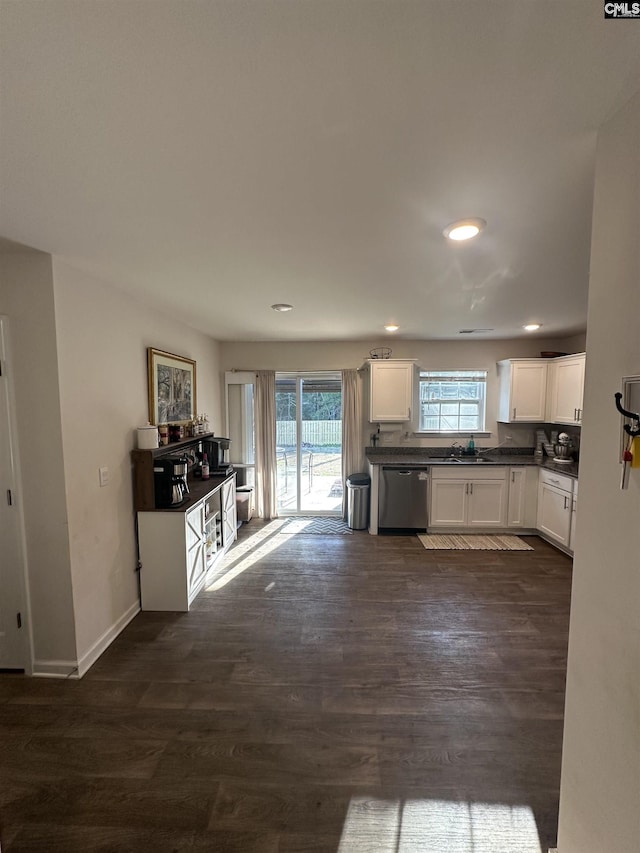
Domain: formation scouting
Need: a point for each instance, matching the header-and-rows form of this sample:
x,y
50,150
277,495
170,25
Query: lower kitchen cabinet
x,y
477,501
523,497
177,548
229,512
555,507
574,516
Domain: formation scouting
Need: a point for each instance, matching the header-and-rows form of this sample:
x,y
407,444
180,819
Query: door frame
x,y
22,579
299,376
240,377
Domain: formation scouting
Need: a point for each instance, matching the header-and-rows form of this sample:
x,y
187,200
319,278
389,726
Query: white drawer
x,y
472,471
560,481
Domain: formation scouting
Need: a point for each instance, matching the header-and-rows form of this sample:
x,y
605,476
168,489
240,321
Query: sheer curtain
x,y
352,446
265,416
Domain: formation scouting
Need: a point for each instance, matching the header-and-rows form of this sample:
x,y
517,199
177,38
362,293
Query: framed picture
x,y
172,388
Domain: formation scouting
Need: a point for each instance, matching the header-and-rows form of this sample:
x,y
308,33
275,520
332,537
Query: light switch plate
x,y
103,474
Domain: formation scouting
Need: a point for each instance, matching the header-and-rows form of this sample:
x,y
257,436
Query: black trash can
x,y
358,487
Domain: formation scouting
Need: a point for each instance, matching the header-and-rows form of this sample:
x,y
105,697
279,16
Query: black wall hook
x,y
630,430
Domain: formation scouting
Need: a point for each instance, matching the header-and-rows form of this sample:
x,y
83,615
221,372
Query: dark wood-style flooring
x,y
337,687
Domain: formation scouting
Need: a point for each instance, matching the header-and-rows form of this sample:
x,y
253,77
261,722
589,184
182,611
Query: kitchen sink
x,y
464,460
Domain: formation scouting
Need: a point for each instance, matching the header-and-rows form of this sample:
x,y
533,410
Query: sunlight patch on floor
x,y
246,554
437,826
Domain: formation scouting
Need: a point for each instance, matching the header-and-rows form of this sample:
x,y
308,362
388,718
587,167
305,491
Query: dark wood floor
x,y
337,687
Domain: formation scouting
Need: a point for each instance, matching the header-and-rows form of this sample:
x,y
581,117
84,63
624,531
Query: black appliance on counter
x,y
170,481
217,450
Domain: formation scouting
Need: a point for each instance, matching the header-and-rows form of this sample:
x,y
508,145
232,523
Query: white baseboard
x,y
91,656
76,669
55,669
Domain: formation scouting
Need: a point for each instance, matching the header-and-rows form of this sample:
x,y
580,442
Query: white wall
x,y
600,787
102,339
26,297
436,355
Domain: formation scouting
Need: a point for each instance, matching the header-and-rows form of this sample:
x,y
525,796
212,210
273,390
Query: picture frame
x,y
172,387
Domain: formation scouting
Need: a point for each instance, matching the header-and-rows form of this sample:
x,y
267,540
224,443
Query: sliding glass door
x,y
309,443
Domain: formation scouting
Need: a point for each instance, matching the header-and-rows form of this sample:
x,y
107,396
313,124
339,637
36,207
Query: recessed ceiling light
x,y
282,306
531,327
464,229
392,327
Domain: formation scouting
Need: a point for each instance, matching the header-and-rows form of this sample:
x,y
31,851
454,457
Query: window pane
x,y
468,423
452,400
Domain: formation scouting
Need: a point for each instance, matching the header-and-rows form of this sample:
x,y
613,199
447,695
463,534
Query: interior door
x,y
12,615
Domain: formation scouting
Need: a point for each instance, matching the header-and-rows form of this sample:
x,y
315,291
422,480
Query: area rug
x,y
317,526
472,542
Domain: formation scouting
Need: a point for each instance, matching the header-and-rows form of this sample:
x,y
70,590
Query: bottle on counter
x,y
205,467
471,447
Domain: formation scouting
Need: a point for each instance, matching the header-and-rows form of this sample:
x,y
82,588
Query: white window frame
x,y
470,375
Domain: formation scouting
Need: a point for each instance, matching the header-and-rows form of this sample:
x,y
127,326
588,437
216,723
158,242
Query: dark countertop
x,y
198,489
427,456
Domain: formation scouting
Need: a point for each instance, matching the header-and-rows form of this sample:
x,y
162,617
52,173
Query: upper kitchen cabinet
x,y
392,383
523,390
565,390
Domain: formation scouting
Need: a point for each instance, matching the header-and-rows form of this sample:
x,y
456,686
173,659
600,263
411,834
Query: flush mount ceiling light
x,y
464,229
282,306
531,327
392,327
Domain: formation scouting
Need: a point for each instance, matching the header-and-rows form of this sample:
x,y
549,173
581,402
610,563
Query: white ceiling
x,y
216,157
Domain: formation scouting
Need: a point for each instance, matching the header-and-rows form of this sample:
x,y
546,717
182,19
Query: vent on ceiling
x,y
473,331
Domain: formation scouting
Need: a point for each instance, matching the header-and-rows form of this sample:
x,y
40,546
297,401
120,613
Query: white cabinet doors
x,y
486,503
574,516
229,525
448,503
477,501
195,546
391,391
555,502
523,497
523,390
566,388
516,505
554,513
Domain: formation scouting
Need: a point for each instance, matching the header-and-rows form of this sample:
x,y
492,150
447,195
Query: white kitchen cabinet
x,y
392,388
523,390
464,499
555,497
196,549
448,503
178,547
574,516
523,497
229,513
566,389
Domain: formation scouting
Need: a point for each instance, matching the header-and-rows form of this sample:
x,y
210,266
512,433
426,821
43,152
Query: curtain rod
x,y
332,370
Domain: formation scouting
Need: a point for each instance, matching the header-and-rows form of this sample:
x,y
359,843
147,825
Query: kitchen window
x,y
452,401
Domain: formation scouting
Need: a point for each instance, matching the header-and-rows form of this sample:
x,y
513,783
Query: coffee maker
x,y
217,450
170,481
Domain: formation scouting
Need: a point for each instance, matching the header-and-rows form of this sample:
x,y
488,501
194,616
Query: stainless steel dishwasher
x,y
403,497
